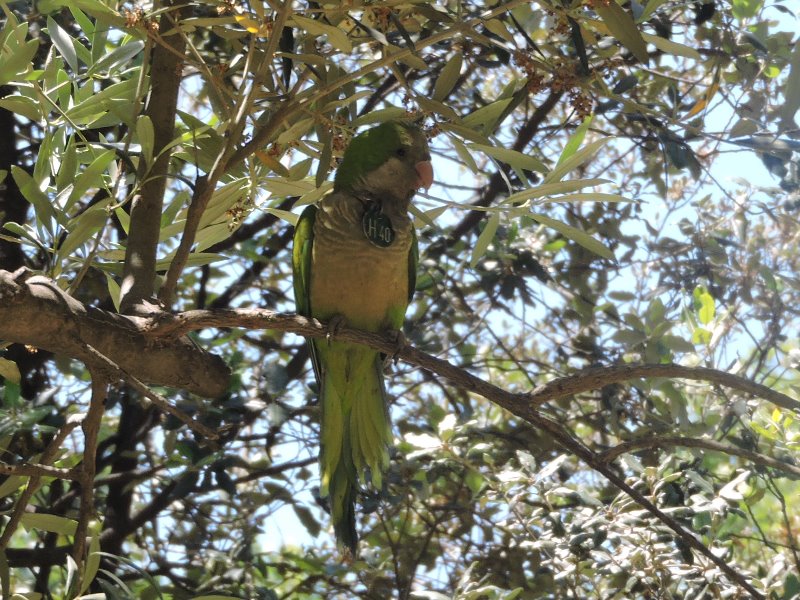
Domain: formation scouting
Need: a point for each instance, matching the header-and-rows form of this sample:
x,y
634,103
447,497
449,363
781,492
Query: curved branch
x,y
597,377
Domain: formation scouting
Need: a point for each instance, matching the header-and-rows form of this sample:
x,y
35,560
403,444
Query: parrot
x,y
354,261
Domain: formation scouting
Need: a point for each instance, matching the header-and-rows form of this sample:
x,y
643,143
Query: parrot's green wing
x,y
413,264
301,268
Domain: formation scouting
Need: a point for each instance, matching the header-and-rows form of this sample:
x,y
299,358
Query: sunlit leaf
x,y
46,522
64,43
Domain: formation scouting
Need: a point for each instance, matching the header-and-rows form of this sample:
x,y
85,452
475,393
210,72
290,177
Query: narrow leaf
x,y
336,36
576,235
791,94
622,27
576,160
486,115
575,140
63,42
146,136
41,203
448,77
670,47
549,189
45,522
511,157
486,237
81,229
117,57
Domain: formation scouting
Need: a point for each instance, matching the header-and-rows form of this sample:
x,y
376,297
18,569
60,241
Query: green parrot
x,y
355,259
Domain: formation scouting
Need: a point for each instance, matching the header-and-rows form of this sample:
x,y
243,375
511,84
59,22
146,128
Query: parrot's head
x,y
390,161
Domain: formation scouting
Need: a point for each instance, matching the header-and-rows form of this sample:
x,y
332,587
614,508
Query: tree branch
x,y
706,444
35,311
91,429
139,273
48,456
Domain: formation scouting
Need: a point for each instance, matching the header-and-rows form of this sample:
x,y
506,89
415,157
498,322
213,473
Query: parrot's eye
x,y
401,152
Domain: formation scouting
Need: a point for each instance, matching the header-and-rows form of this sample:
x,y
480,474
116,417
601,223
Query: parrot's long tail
x,y
355,431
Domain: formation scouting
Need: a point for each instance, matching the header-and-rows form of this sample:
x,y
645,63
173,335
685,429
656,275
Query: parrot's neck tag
x,y
377,226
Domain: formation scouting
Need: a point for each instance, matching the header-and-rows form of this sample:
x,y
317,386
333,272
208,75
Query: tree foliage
x,y
599,394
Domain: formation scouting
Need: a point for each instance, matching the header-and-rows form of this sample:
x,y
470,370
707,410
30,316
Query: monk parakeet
x,y
355,258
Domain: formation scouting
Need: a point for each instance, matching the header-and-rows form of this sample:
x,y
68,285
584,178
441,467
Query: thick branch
x,y
34,311
584,381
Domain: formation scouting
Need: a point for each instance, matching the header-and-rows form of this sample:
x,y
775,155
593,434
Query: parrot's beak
x,y
425,174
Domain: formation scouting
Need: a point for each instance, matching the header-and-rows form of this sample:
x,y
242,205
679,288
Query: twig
x,y
91,427
707,444
102,361
48,455
37,470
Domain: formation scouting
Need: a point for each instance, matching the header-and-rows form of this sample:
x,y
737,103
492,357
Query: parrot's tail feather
x,y
355,431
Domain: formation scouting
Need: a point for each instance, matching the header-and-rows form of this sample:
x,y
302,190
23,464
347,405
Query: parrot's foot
x,y
399,340
335,324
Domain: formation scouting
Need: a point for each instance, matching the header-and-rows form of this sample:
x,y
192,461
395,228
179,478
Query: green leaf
x,y
113,290
91,177
64,43
622,27
45,522
116,58
92,563
515,159
745,9
575,140
22,105
81,228
652,5
9,370
703,304
448,77
464,154
670,47
486,237
576,235
146,137
485,117
307,519
577,159
380,116
15,61
336,36
550,189
41,203
116,96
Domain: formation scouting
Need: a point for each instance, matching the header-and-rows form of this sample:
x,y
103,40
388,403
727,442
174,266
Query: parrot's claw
x,y
400,342
335,324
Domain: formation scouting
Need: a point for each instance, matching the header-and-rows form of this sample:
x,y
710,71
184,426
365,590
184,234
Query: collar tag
x,y
377,226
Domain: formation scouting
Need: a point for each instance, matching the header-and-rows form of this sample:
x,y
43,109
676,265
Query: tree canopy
x,y
599,394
